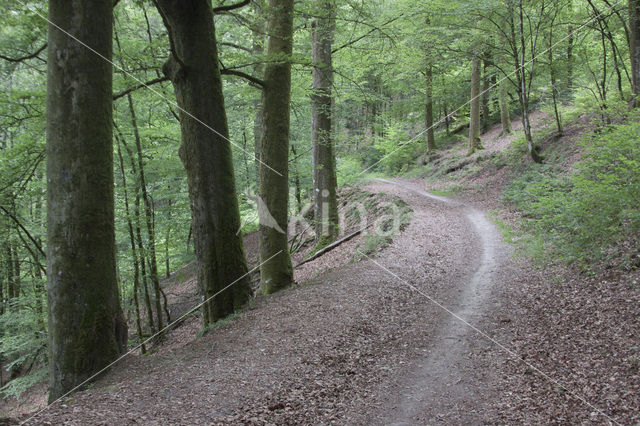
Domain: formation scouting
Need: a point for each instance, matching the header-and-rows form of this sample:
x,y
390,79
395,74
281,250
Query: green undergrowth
x,y
588,214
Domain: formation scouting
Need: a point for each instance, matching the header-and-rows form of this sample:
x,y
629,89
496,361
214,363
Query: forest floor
x,y
445,325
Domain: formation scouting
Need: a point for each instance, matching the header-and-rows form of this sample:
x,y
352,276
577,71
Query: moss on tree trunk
x,y
324,162
474,111
86,327
206,155
276,271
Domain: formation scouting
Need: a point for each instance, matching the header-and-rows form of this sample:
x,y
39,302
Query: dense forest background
x,y
409,79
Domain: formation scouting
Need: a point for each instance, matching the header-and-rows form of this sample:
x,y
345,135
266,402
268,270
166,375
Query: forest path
x,y
438,386
354,345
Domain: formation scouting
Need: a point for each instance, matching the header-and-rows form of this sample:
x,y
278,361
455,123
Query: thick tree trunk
x,y
86,326
258,34
428,115
474,113
505,119
324,162
207,158
276,271
634,48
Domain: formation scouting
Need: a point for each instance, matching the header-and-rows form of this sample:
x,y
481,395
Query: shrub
x,y
583,216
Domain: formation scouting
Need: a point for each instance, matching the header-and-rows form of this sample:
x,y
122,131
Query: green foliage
x,y
371,245
348,169
397,152
23,343
581,217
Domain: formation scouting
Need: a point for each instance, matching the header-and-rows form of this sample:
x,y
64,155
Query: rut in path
x,y
355,346
436,384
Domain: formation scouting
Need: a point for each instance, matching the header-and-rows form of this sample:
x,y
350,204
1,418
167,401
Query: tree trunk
x,y
16,272
570,41
134,253
634,49
167,260
554,83
523,89
296,180
474,113
428,116
486,84
447,119
324,162
207,158
148,210
87,330
276,271
505,119
258,34
10,270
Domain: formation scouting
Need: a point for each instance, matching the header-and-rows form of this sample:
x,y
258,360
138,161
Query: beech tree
x,y
206,154
86,326
505,119
474,111
324,163
276,271
634,48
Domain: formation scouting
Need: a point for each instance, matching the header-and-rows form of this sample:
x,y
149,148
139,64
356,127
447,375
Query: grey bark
x,y
634,48
428,119
486,84
86,326
505,119
206,154
276,271
258,34
474,112
324,163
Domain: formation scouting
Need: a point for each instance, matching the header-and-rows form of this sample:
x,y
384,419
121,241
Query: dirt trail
x,y
357,346
436,385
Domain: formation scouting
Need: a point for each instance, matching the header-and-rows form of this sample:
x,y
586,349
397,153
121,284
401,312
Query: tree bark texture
x,y
428,119
505,119
276,271
206,154
634,48
86,326
324,163
474,113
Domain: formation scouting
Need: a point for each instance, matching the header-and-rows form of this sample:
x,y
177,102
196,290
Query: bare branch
x,y
26,57
254,80
140,86
222,9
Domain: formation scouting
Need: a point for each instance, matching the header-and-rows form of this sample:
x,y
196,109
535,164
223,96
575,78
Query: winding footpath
x,y
436,387
392,339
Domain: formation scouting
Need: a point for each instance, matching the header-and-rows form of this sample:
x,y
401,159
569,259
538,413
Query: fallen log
x,y
332,246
